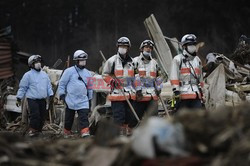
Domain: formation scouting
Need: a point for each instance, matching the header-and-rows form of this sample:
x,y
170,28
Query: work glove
x,y
114,83
139,95
18,102
173,103
158,92
177,95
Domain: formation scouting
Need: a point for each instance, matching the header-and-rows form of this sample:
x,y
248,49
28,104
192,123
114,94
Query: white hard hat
x,y
34,58
188,39
80,55
147,43
123,41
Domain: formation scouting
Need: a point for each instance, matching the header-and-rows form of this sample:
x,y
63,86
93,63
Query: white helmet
x,y
34,58
188,39
123,41
147,43
80,55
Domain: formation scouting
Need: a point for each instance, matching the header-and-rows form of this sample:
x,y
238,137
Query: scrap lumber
x,y
162,50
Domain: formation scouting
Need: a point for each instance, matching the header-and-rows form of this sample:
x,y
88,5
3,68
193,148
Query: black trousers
x,y
37,113
82,117
144,107
121,112
189,103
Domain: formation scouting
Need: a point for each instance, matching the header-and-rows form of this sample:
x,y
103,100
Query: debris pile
x,y
214,137
8,81
221,136
241,53
15,150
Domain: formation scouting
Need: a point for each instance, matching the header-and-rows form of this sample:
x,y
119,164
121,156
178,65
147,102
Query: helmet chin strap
x,y
146,58
188,55
193,54
80,67
33,67
123,56
36,69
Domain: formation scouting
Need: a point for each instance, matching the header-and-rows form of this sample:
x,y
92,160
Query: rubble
x,y
214,138
8,81
241,53
217,133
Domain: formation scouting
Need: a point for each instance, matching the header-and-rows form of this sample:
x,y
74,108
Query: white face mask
x,y
122,51
82,63
191,49
37,66
146,54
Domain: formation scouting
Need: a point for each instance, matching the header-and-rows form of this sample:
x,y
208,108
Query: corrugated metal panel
x,y
2,47
5,52
6,69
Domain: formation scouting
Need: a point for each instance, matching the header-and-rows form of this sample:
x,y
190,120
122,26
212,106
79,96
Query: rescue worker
x,y
35,85
118,72
186,75
73,89
148,81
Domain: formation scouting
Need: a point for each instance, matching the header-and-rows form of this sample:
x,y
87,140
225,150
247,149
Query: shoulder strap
x,y
80,78
113,68
195,75
180,64
197,79
113,64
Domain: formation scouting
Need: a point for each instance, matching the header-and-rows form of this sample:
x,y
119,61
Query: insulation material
x,y
215,88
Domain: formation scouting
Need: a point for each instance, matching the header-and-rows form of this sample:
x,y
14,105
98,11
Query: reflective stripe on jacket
x,y
147,77
124,72
186,76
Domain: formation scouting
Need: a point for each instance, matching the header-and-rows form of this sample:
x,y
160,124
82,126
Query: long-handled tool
x,y
123,93
162,102
129,103
164,106
57,63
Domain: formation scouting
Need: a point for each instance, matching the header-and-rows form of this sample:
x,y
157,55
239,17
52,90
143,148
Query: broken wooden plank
x,y
244,88
162,49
